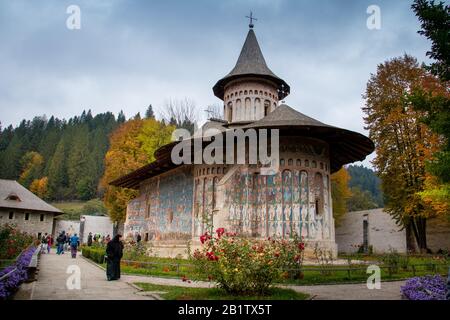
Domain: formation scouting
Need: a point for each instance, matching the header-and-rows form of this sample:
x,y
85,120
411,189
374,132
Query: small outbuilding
x,y
25,210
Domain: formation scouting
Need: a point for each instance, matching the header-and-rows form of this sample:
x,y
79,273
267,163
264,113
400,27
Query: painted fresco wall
x,y
295,200
163,210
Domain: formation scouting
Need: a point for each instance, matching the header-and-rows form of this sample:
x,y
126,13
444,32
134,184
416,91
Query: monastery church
x,y
178,202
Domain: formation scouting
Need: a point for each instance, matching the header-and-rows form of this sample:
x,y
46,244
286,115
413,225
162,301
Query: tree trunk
x,y
410,241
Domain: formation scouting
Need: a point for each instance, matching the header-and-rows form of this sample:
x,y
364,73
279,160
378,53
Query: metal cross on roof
x,y
251,20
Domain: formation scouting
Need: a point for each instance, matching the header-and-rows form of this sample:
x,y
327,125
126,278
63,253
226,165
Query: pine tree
x,y
149,113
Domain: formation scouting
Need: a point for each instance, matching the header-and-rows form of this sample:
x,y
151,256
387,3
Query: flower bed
x,y
9,285
425,288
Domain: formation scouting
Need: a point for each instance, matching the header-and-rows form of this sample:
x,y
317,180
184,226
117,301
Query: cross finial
x,y
251,20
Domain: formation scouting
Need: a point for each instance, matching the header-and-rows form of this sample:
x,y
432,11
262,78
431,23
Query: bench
x,y
32,267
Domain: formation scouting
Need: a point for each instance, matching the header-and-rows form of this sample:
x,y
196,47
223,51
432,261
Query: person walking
x,y
44,243
114,252
74,243
60,241
89,240
49,243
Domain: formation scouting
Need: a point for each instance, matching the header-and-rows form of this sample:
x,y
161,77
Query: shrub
x,y
9,285
425,288
245,266
13,241
96,254
392,260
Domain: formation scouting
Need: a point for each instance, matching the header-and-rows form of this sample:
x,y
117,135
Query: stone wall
x,y
29,221
69,226
383,232
94,224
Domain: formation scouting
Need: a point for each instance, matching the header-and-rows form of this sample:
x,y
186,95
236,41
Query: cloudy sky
x,y
129,54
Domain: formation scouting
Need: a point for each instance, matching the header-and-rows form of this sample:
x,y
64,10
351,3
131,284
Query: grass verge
x,y
186,293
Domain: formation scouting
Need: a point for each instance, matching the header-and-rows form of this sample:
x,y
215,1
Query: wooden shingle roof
x,y
14,196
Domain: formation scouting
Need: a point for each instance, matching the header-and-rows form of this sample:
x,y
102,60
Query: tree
x,y
435,23
153,135
132,145
181,114
214,111
40,187
403,143
149,114
366,181
32,168
340,193
360,200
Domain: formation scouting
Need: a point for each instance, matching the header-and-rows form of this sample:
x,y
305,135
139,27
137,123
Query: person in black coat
x,y
114,252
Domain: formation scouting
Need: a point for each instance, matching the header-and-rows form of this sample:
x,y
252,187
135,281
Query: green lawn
x,y
187,293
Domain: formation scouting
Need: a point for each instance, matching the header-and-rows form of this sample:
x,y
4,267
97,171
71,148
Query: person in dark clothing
x,y
114,252
60,242
138,238
89,241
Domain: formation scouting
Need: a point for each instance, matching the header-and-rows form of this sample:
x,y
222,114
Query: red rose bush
x,y
242,265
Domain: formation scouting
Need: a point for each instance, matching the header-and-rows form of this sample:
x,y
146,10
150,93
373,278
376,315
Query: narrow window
x,y
41,218
146,237
39,235
317,207
147,214
11,215
290,162
27,216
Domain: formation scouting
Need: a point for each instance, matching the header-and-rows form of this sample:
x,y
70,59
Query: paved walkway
x,y
359,291
52,279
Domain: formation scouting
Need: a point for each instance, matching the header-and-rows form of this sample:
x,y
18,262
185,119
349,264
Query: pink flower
x,y
204,237
301,246
220,232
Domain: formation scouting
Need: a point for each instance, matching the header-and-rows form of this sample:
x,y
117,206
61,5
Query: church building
x,y
179,202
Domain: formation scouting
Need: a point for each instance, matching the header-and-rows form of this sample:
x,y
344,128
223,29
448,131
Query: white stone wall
x,y
97,224
69,226
94,224
246,100
33,225
383,232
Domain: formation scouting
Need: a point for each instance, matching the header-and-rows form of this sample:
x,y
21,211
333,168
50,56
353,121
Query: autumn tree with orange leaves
x,y
131,146
403,143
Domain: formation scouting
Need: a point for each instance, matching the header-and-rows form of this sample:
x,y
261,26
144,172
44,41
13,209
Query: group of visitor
x,y
114,249
63,241
46,243
97,238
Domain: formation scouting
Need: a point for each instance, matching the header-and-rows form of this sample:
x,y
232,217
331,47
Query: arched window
x,y
307,163
298,163
266,108
318,193
248,109
215,182
290,162
282,162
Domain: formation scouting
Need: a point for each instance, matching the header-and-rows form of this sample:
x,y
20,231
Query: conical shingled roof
x,y
345,146
251,62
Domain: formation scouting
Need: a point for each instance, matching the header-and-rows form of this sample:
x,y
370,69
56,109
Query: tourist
x,y
74,243
89,240
44,243
114,252
60,242
108,239
49,243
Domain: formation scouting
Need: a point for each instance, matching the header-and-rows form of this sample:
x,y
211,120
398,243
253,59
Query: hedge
x,y
96,254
